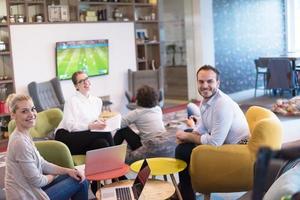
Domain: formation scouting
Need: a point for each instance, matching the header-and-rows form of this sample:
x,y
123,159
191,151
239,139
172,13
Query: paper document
x,y
112,124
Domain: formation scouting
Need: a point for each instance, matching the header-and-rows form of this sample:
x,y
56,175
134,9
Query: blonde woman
x,y
28,175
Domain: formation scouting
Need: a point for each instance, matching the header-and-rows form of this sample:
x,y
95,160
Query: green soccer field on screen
x,y
90,56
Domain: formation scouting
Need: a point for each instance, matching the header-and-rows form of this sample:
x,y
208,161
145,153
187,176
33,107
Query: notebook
x,y
105,159
131,192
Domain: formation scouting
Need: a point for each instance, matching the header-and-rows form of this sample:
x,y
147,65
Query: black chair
x,y
269,166
264,158
261,70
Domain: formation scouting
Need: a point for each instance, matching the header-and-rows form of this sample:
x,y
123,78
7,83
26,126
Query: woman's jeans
x,y
65,187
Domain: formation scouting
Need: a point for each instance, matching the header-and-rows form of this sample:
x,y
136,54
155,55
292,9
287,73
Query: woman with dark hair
x,y
147,118
81,116
81,119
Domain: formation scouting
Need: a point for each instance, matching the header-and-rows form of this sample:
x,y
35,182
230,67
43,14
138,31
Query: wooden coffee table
x,y
154,189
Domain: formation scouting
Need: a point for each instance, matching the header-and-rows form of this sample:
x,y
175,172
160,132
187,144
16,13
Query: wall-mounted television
x,y
90,56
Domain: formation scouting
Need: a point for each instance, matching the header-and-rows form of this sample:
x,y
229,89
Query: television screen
x,y
90,56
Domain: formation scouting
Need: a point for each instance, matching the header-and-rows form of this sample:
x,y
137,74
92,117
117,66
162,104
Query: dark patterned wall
x,y
245,30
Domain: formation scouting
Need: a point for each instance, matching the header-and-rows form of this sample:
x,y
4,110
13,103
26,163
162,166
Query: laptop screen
x,y
104,159
141,179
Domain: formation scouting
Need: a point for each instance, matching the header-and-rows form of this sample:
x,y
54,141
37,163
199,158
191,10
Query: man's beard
x,y
213,92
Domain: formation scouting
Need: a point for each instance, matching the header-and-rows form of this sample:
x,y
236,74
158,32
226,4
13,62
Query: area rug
x,y
174,108
212,197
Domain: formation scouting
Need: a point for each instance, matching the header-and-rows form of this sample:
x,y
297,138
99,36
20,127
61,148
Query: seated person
x,y
81,115
28,175
221,121
286,185
147,118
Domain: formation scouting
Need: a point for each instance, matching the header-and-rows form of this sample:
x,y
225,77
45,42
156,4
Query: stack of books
x,y
91,16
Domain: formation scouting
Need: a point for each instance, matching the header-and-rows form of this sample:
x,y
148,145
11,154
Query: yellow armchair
x,y
229,168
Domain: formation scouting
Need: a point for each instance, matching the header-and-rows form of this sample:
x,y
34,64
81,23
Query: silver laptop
x,y
130,192
105,159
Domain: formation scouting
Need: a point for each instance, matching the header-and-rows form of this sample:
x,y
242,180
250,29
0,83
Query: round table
x,y
154,189
162,166
109,174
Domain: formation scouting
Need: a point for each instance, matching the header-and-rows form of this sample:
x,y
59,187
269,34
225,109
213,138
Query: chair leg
x,y
265,83
206,196
256,79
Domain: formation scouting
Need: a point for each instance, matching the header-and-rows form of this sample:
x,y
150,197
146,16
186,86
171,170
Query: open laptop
x,y
130,192
105,159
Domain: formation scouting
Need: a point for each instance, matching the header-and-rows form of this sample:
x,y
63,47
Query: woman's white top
x,y
79,112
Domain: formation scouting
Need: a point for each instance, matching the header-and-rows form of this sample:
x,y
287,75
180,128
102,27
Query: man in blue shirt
x,y
221,121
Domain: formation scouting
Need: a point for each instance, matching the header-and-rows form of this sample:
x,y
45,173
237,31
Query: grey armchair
x,y
46,94
136,79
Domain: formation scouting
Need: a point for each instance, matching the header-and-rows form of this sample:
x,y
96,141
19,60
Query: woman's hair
x,y
74,76
147,97
13,99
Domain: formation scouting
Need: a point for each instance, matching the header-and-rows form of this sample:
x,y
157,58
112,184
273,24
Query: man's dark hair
x,y
209,67
147,97
74,76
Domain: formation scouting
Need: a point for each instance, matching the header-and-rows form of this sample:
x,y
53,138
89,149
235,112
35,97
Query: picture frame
x,y
141,34
58,13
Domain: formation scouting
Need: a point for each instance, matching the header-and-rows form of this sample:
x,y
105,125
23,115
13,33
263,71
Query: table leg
x,y
294,90
165,178
176,187
98,185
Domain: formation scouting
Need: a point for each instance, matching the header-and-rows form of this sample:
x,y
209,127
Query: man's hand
x,y
186,137
181,137
190,122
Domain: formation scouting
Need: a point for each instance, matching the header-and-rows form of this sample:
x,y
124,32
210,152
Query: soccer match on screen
x,y
90,56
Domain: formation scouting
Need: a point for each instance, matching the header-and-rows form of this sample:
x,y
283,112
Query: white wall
x,y
199,40
33,48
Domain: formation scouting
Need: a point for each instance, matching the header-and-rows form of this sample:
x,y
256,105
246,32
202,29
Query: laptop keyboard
x,y
123,193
